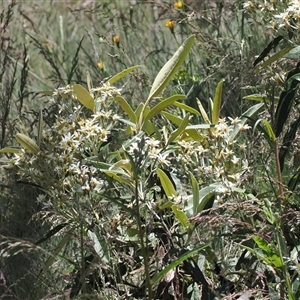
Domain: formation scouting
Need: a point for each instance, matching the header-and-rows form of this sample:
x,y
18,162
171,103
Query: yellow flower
x,y
171,24
178,4
116,40
101,65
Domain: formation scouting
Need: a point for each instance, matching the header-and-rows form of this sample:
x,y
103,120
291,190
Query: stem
x,y
144,247
81,228
284,269
278,169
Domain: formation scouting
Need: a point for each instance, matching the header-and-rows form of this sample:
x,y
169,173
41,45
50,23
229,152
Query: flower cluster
x,y
149,150
278,15
60,168
214,158
217,158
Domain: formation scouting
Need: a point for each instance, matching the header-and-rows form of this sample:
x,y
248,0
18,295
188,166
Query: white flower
x,y
162,159
235,160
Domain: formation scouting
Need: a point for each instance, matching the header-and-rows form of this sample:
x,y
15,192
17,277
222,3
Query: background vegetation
x,y
131,187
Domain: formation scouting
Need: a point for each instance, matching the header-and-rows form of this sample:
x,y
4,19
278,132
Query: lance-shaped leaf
x,y
51,233
180,216
115,175
294,181
293,54
10,150
267,252
261,98
288,140
273,58
171,67
166,183
126,108
270,131
179,130
266,51
177,262
206,198
187,108
193,133
150,129
217,103
286,100
196,194
162,105
27,143
84,96
203,112
122,74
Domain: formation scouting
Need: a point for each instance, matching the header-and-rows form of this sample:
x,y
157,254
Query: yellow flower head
x,y
101,65
116,40
178,4
171,24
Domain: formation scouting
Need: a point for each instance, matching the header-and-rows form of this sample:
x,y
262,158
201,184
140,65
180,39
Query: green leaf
x,y
100,246
246,115
286,101
187,108
170,68
261,98
294,180
126,108
177,262
272,45
203,112
127,122
122,74
133,166
5,160
140,109
115,175
201,126
97,164
270,131
123,164
206,198
84,97
180,129
174,119
27,143
192,132
293,54
166,183
150,128
162,105
196,193
272,59
180,216
217,103
51,233
270,253
11,150
295,77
